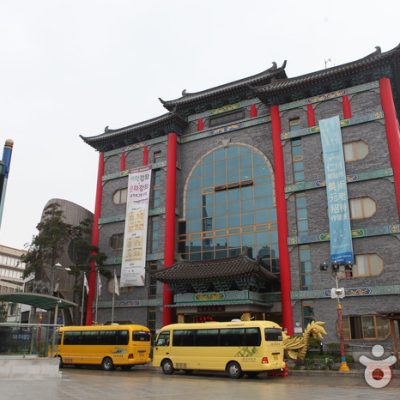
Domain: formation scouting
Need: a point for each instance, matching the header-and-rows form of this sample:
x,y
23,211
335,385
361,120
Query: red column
x,y
284,260
170,205
200,124
253,111
122,165
392,134
310,115
95,241
346,107
145,155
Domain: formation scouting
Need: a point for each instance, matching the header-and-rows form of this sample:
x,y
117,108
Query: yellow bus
x,y
105,345
248,347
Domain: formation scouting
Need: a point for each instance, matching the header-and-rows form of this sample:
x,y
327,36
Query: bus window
x,y
163,339
253,337
141,336
89,337
73,337
183,338
232,337
207,337
122,337
273,335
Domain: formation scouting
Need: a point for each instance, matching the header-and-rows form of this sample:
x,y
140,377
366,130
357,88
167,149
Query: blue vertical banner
x,y
336,191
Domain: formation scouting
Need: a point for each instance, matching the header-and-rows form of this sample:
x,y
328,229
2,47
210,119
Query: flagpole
x,y
112,307
97,297
83,298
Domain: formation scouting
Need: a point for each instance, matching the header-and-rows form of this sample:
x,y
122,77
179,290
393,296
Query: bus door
x,y
162,348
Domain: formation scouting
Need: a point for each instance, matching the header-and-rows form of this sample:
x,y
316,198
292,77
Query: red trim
x,y
253,111
145,155
310,115
346,107
200,124
284,260
95,241
122,165
170,205
392,134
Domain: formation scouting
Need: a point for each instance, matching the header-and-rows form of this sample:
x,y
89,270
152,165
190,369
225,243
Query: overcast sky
x,y
72,67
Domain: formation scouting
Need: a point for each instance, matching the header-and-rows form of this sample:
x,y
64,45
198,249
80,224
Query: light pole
x,y
339,293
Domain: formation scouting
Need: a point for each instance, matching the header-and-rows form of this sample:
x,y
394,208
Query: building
x,y
11,281
255,184
66,285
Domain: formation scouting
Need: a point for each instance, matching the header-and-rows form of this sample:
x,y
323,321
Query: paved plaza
x,y
147,383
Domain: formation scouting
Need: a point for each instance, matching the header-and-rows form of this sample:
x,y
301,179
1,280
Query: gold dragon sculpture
x,y
296,347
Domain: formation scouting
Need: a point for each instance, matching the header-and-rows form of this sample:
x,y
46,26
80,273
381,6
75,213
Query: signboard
x,y
336,191
136,220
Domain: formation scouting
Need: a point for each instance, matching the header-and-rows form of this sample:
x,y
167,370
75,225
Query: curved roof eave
x,y
115,138
342,70
226,88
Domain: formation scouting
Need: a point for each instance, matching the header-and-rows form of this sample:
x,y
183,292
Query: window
x,y
156,189
155,226
163,339
119,197
307,308
354,151
363,207
117,241
230,208
301,213
207,337
367,265
273,335
157,156
141,336
232,337
305,267
365,327
226,118
297,160
183,338
294,124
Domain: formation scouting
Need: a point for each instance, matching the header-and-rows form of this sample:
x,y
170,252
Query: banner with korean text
x,y
135,236
336,191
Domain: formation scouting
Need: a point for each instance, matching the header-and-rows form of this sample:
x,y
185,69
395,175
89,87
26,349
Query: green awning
x,y
37,300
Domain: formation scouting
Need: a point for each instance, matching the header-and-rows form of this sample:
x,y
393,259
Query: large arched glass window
x,y
230,207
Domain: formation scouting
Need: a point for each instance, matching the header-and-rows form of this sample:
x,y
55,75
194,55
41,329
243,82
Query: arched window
x,y
367,265
230,207
362,207
119,197
354,151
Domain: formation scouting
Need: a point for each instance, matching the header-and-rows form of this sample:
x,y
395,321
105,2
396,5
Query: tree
x,y
82,252
47,246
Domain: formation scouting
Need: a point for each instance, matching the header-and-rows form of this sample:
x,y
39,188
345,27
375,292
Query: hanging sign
x,y
135,236
336,190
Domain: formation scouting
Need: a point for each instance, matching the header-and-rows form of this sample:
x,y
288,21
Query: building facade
x,y
240,176
11,281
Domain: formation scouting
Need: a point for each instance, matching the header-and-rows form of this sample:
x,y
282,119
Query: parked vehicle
x,y
248,347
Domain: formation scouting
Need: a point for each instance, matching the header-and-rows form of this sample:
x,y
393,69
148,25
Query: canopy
x,y
37,300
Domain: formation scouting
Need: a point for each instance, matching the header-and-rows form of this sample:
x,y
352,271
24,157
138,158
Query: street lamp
x,y
339,293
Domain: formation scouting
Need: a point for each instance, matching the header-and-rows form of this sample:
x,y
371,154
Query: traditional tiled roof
x,y
360,71
115,138
206,269
234,89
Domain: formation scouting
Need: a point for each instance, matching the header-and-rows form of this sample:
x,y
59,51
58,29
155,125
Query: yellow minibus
x,y
105,345
248,347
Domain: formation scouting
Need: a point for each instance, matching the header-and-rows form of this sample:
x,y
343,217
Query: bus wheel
x,y
234,370
107,364
167,367
60,362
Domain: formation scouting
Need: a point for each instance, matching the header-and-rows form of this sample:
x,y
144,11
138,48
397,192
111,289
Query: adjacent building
x,y
254,185
11,281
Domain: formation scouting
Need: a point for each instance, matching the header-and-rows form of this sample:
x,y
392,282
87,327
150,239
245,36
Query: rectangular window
x,y
365,327
207,337
232,337
141,336
273,334
307,308
183,338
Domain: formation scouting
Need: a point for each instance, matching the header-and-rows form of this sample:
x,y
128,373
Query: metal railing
x,y
28,339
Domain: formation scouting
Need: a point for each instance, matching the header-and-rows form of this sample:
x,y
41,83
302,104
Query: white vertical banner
x,y
136,221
